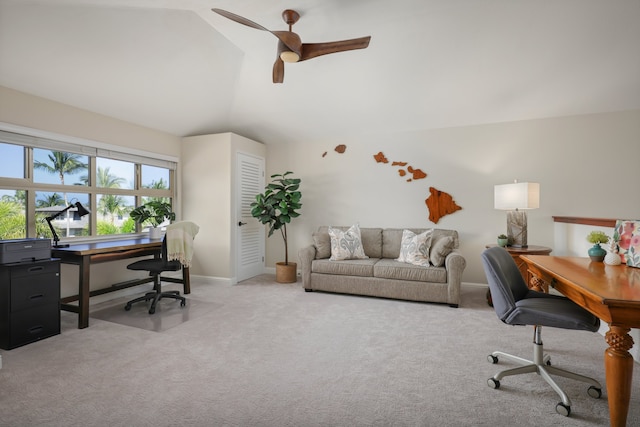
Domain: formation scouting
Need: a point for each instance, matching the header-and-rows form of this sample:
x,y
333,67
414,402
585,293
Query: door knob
x,y
240,223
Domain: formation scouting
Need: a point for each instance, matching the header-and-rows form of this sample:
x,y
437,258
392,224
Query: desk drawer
x,y
32,269
35,291
34,324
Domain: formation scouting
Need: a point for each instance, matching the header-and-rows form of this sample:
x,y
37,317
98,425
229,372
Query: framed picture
x,y
626,236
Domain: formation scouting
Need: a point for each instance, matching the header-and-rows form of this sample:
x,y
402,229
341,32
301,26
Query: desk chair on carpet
x,y
516,304
177,250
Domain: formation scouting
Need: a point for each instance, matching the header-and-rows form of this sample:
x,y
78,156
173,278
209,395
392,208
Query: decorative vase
x,y
503,242
596,253
613,257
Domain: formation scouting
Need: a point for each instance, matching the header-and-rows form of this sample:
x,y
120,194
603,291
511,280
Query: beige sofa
x,y
381,275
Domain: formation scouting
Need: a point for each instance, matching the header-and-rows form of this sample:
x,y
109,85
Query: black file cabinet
x,y
29,302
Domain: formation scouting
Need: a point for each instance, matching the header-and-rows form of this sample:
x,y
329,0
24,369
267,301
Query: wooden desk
x,y
84,255
613,294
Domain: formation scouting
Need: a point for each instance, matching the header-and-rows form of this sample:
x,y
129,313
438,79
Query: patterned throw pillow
x,y
414,248
346,244
626,236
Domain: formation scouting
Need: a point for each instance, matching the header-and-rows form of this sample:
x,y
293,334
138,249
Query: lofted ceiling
x,y
175,66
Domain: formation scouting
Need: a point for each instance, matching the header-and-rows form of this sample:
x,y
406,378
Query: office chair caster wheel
x,y
127,307
492,359
563,409
152,310
183,303
594,392
493,383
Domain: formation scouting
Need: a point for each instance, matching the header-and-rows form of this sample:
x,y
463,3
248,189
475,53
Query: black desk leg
x,y
83,292
186,281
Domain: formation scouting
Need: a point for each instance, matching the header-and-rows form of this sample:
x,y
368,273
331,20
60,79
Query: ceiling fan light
x,y
289,56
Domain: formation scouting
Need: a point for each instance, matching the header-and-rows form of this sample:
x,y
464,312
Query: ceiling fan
x,y
291,48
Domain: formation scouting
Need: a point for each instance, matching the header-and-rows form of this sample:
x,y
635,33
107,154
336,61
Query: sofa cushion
x,y
372,241
440,249
392,269
414,248
346,244
351,267
322,242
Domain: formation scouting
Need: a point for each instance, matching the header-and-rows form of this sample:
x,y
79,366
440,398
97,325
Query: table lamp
x,y
516,198
82,211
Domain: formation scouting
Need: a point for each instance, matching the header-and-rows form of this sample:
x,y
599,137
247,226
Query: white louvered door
x,y
250,233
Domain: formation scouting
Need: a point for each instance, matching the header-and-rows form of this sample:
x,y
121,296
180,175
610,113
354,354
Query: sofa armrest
x,y
306,255
455,264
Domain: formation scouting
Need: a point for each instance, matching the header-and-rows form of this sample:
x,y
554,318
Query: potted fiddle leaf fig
x,y
154,213
275,208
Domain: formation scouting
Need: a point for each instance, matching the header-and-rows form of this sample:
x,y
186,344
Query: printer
x,y
24,250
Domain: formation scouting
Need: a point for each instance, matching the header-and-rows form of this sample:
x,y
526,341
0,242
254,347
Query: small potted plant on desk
x,y
596,253
275,207
502,240
154,212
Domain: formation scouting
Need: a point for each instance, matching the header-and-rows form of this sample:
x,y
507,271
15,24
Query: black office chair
x,y
155,266
516,304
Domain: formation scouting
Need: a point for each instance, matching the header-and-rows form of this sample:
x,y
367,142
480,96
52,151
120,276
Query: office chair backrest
x,y
505,281
163,253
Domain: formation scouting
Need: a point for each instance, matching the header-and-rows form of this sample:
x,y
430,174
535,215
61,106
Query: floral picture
x,y
626,236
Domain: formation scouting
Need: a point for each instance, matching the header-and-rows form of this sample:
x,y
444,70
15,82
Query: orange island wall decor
x,y
438,203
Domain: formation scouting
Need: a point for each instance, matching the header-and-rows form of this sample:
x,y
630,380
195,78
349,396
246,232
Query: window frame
x,y
33,138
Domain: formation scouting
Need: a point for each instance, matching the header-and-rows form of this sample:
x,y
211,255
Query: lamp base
x,y
517,228
63,245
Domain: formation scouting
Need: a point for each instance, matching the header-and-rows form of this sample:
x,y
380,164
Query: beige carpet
x,y
266,354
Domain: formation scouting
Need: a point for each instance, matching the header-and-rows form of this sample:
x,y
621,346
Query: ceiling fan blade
x,y
278,70
311,50
239,19
290,40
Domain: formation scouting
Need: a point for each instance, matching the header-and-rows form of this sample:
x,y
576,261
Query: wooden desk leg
x,y
186,281
618,366
83,292
538,284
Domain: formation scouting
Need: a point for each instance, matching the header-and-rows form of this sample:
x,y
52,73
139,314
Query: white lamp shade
x,y
519,195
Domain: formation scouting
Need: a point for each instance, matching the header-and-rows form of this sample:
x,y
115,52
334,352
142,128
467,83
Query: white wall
x,y
571,239
586,166
21,109
208,171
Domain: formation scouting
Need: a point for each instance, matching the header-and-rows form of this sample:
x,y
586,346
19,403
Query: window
x,y
11,161
13,223
59,167
40,177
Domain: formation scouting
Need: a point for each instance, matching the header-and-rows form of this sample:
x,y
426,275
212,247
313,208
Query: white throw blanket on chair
x,y
180,237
